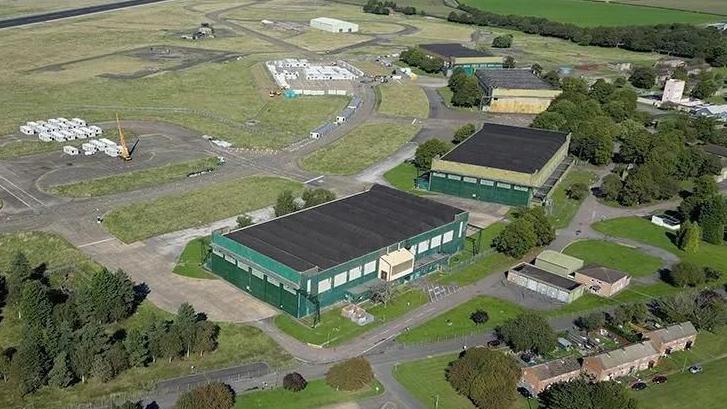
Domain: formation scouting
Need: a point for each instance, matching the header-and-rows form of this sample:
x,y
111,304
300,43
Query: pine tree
x,y
184,326
105,297
29,366
60,375
688,237
18,273
205,337
137,346
155,336
90,342
4,364
35,308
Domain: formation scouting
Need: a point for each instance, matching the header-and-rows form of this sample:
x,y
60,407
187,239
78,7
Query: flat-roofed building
x,y
336,251
673,338
558,263
458,56
539,377
621,362
513,90
502,164
544,282
601,280
333,25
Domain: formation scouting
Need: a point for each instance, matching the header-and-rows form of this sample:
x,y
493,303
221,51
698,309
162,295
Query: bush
x,y
428,151
487,377
294,382
687,274
591,321
643,77
688,237
216,395
463,132
503,41
244,221
578,191
528,332
479,317
350,375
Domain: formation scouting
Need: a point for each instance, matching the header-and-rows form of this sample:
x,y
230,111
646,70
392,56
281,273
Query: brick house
x,y
673,338
601,280
539,377
621,362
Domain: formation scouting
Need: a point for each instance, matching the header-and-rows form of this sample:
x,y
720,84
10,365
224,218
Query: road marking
x,y
96,242
23,191
315,179
16,196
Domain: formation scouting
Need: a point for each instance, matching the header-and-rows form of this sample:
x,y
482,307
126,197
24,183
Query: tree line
x,y
385,7
681,40
416,57
69,334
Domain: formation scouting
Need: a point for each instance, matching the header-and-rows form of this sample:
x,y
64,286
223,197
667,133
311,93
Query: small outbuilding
x,y
333,25
546,283
558,263
516,91
602,281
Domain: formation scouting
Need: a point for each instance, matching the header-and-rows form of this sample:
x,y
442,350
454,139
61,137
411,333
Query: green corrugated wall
x,y
478,191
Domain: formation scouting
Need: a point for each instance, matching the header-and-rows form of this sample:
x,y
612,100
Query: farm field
x,y
317,394
616,256
334,329
142,220
589,13
360,148
404,99
237,344
456,321
190,261
704,6
134,180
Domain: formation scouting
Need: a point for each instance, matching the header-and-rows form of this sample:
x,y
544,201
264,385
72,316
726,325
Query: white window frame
x,y
454,177
461,227
369,267
438,175
273,281
520,188
354,273
447,237
340,279
218,253
469,179
257,273
436,241
422,246
242,265
324,285
504,185
487,182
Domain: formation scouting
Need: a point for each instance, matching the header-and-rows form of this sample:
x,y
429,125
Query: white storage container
x,y
62,120
107,142
87,146
89,133
79,134
57,136
27,130
70,150
78,121
89,153
31,124
99,145
112,151
68,134
54,121
45,137
96,130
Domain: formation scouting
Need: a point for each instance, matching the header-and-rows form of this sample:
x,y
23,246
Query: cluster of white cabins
x,y
64,130
293,69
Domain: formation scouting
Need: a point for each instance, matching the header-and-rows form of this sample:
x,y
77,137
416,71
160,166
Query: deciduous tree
x,y
350,375
502,41
215,395
580,394
463,132
528,332
643,77
487,377
285,203
314,197
686,274
428,151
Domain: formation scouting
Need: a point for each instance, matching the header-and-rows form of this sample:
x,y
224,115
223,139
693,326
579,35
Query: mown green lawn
x,y
360,148
217,201
189,263
614,255
238,344
402,177
592,13
403,99
334,329
643,230
316,395
686,390
135,180
426,380
564,208
456,321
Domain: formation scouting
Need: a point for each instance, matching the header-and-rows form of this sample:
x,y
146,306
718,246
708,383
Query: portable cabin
x,y
340,119
55,121
31,124
70,150
57,136
63,120
78,121
98,144
45,137
68,134
27,130
96,130
107,142
89,147
112,151
79,133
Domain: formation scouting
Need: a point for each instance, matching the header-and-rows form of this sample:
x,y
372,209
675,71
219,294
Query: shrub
x,y
479,317
591,321
578,191
503,41
528,332
294,382
487,377
216,395
687,274
350,375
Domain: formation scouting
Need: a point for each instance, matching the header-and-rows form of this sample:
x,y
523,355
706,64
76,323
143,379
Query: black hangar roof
x,y
341,230
513,148
535,273
453,50
512,78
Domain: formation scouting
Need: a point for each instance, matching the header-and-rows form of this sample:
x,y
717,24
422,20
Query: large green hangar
x,y
336,251
456,55
502,164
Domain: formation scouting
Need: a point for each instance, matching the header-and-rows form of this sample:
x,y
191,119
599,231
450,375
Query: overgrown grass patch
x,y
189,263
334,329
403,99
360,148
456,321
402,177
195,208
18,148
564,208
317,394
135,180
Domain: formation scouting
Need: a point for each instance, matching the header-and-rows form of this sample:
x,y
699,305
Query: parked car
x,y
696,369
494,343
525,392
639,386
659,379
528,358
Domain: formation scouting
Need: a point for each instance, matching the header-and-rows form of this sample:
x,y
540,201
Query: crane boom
x,y
124,154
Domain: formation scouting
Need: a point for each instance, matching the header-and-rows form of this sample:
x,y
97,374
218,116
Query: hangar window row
x,y
346,276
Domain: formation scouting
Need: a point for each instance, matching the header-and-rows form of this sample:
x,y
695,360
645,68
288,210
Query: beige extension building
x,y
516,91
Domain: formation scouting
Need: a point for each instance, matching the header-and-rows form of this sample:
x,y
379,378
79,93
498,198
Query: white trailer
x,y
99,145
54,121
89,133
27,130
96,130
63,120
112,151
31,124
79,133
107,142
57,136
340,119
41,128
68,134
78,121
70,150
45,137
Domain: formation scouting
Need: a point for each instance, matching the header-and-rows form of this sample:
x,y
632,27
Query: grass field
x,y
17,148
134,180
402,177
704,6
316,395
17,8
564,208
588,13
334,329
616,256
403,99
237,344
492,263
642,230
217,201
360,148
189,263
456,321
426,381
